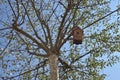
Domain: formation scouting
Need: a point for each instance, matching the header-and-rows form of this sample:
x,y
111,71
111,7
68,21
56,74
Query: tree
x,y
35,45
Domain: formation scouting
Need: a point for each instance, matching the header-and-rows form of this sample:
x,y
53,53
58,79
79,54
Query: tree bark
x,y
54,70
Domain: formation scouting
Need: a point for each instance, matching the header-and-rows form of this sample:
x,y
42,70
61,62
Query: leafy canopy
x,y
30,30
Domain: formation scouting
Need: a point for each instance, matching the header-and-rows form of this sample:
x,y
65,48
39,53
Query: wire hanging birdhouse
x,y
77,34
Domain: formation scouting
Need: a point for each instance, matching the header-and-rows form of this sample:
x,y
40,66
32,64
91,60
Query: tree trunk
x,y
54,70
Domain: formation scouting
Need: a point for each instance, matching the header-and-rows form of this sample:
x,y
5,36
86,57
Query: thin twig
x,y
32,53
12,9
6,28
5,23
62,24
7,44
33,26
37,67
43,22
101,18
81,56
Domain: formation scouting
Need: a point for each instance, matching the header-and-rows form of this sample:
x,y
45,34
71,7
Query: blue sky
x,y
113,73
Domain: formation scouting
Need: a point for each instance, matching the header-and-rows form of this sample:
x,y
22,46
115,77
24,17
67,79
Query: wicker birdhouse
x,y
77,35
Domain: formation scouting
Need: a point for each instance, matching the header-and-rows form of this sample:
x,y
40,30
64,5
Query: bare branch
x,y
46,38
30,37
12,10
1,54
37,54
62,25
64,63
62,4
5,23
32,53
6,28
37,67
66,29
101,18
53,12
81,56
43,23
17,8
33,26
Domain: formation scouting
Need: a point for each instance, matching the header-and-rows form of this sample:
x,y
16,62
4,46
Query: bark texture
x,y
54,70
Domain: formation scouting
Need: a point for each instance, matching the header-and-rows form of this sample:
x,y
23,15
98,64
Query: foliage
x,y
30,30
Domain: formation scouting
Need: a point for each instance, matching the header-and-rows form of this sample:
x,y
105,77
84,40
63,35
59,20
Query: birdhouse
x,y
77,34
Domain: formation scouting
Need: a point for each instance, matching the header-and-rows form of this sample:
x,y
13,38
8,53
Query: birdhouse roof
x,y
76,28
